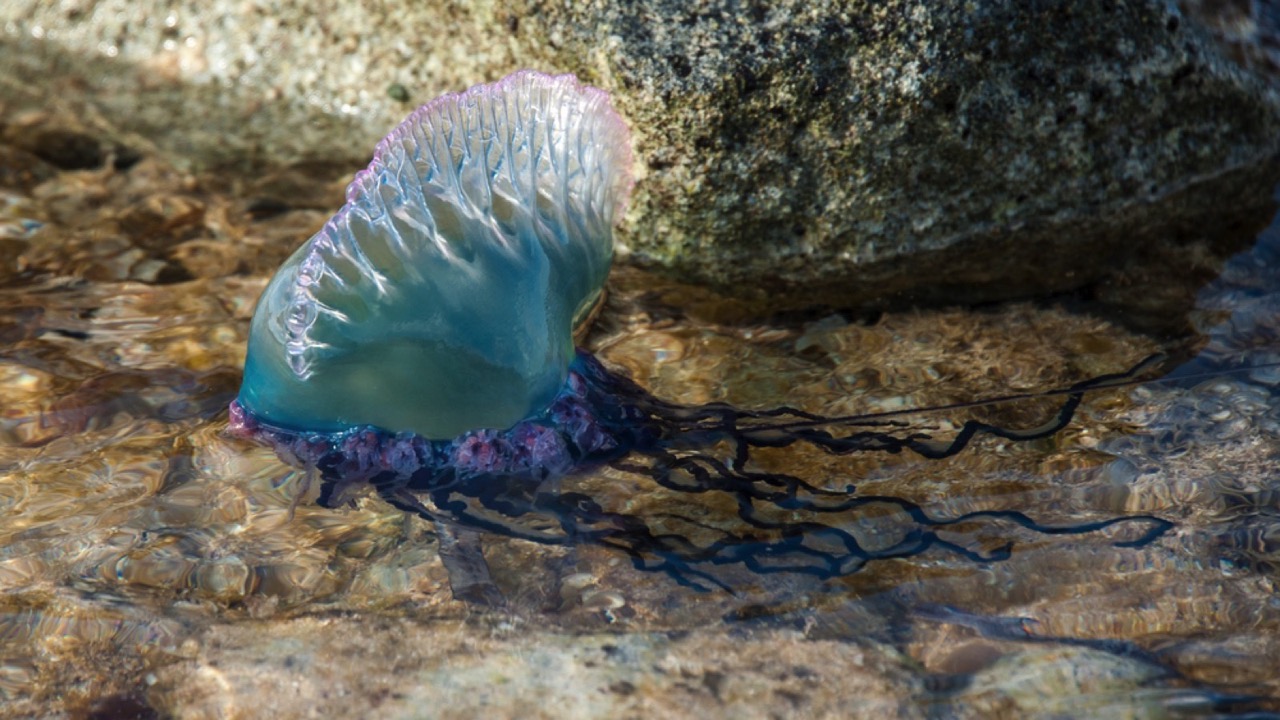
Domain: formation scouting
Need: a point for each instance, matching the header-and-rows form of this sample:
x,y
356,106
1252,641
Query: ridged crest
x,y
442,296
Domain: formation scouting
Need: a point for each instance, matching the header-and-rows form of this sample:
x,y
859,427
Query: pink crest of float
x,y
522,84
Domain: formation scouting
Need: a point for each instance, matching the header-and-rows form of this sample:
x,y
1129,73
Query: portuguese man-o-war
x,y
421,346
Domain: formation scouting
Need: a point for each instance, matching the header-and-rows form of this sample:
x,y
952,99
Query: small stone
x,y
161,221
398,92
66,149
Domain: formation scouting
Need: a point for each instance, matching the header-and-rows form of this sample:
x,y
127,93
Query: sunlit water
x,y
130,523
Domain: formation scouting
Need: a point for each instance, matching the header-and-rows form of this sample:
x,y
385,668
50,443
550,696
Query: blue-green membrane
x,y
442,297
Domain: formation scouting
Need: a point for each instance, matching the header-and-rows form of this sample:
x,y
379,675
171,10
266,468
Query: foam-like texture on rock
x,y
442,297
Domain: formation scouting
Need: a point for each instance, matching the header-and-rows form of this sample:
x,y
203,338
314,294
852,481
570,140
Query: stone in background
x,y
838,153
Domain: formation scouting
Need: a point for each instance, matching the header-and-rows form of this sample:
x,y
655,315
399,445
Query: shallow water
x,y
150,564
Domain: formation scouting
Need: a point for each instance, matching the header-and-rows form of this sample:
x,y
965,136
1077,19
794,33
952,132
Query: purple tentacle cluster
x,y
559,440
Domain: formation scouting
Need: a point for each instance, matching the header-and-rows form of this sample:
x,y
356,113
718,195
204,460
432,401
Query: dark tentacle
x,y
631,431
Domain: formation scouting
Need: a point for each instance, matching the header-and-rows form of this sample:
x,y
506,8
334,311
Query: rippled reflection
x,y
131,523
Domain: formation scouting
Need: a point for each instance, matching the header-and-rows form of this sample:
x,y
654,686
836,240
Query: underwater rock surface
x,y
153,565
819,153
445,671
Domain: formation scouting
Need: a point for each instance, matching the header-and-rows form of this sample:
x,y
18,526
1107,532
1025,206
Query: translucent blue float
x,y
442,297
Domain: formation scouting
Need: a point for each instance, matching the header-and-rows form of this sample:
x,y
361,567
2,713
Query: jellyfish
x,y
421,346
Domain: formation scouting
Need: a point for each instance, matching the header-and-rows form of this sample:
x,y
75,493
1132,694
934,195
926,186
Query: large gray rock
x,y
949,150
826,152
